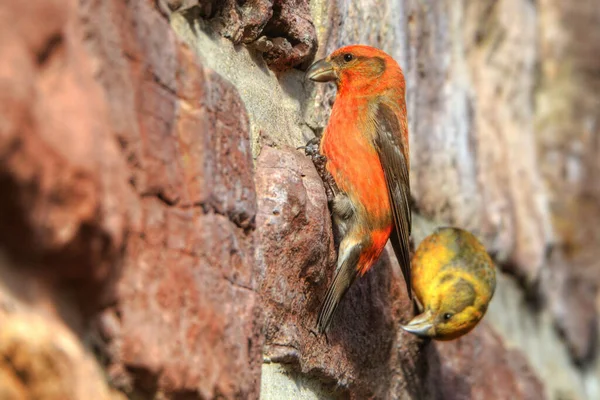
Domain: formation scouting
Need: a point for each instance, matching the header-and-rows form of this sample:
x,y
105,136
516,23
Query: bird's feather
x,y
390,146
344,277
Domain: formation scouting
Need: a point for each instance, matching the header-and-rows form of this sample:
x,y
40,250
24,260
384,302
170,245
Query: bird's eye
x,y
348,57
447,316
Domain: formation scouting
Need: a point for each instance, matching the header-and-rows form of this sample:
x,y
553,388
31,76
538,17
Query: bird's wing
x,y
390,148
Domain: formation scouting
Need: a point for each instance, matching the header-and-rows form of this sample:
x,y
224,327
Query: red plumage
x,y
366,147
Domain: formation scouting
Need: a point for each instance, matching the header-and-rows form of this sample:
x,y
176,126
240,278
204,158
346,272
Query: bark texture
x,y
161,236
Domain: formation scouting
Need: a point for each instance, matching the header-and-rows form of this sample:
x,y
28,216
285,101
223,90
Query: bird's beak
x,y
321,71
421,325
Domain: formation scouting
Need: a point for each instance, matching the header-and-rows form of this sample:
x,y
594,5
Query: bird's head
x,y
451,312
358,67
454,280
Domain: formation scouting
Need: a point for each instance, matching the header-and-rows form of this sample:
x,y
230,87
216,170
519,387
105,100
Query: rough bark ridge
x,y
123,156
281,30
161,237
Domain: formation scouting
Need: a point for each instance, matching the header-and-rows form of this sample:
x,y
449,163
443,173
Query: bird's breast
x,y
353,161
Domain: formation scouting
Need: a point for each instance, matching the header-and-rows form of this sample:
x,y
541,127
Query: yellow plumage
x,y
454,280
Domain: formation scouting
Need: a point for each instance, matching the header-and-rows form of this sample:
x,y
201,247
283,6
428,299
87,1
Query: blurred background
x,y
162,238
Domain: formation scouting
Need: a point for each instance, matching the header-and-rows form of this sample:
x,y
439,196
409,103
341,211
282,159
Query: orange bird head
x,y
358,68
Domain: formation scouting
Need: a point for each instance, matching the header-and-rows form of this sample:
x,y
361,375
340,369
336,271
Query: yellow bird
x,y
454,280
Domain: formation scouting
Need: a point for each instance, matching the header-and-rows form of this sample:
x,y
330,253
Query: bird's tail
x,y
344,276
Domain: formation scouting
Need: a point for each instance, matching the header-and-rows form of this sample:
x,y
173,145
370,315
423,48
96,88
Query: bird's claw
x,y
311,149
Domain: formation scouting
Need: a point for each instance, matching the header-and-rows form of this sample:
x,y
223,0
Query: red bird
x,y
366,148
